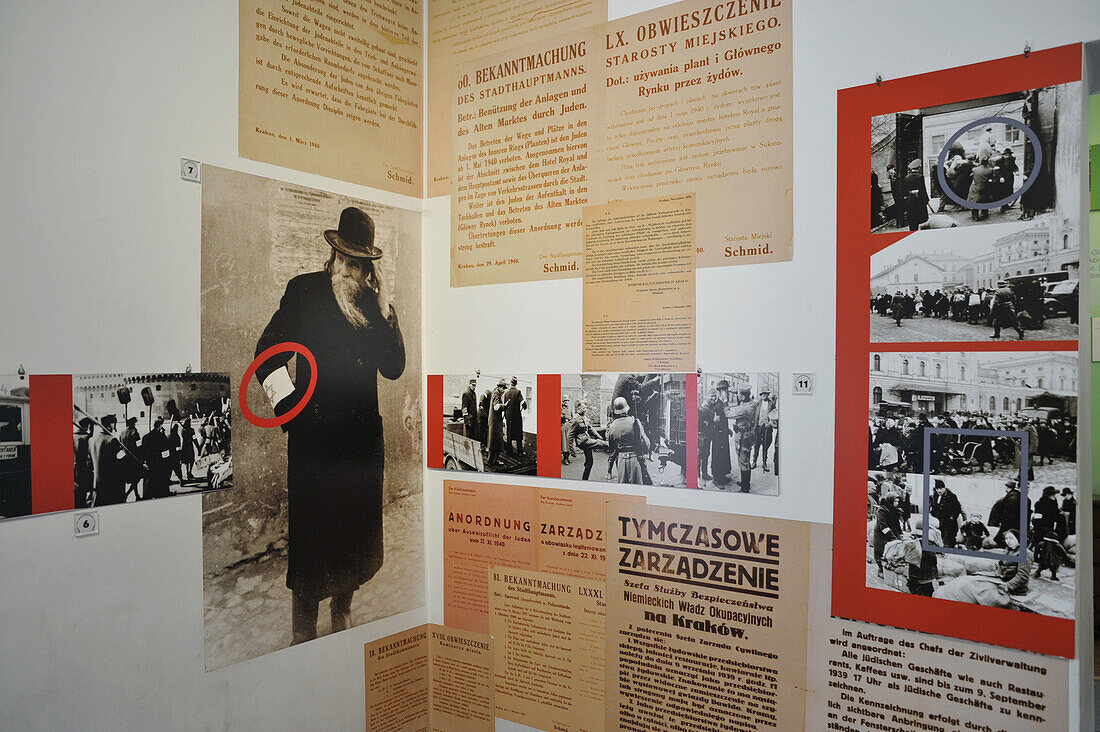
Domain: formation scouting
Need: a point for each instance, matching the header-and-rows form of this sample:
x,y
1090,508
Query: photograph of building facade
x,y
985,383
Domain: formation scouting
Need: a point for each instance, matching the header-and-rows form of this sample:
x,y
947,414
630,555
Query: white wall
x,y
99,271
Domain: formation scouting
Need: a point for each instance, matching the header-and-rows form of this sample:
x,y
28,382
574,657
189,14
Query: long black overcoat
x,y
335,446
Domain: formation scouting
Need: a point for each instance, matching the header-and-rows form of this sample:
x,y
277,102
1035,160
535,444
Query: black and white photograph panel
x,y
1016,282
990,160
1021,392
143,436
988,543
15,446
624,428
318,294
738,427
489,423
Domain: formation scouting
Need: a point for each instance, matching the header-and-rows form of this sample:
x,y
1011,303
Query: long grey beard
x,y
351,294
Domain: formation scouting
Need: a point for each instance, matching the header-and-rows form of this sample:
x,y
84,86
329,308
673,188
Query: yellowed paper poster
x,y
462,30
639,285
572,540
688,98
483,524
865,676
397,680
334,87
706,620
430,678
461,681
548,640
519,527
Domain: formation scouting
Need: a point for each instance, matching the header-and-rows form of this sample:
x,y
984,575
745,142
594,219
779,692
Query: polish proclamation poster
x,y
688,98
957,363
430,678
706,620
334,88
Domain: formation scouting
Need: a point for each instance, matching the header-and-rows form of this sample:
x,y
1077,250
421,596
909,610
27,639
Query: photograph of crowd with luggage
x,y
1021,284
987,542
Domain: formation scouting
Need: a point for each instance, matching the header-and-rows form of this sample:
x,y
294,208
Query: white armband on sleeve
x,y
278,385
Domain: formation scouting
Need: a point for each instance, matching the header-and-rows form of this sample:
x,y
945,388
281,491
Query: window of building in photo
x,y
877,394
905,366
878,363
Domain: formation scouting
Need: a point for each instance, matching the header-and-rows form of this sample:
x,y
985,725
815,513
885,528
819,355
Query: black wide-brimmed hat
x,y
355,237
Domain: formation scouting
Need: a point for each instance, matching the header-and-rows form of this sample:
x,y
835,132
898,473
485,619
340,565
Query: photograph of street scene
x,y
1021,283
990,493
990,160
138,437
1032,392
982,520
489,423
624,428
739,432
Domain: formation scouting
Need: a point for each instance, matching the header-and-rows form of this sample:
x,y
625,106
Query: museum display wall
x,y
177,614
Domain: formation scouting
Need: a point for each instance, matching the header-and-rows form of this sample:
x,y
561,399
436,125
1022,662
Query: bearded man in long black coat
x,y
335,446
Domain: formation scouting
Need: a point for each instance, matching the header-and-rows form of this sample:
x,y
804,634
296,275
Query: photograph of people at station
x,y
624,428
739,432
489,423
150,436
15,446
1019,283
979,161
974,553
1027,392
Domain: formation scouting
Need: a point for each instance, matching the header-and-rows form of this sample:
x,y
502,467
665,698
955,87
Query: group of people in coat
x,y
997,308
109,468
986,175
495,419
753,422
898,444
889,512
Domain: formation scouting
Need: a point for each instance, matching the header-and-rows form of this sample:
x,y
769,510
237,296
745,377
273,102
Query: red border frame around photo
x,y
855,244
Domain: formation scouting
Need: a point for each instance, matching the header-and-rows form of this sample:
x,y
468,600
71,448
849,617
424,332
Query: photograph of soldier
x,y
118,463
1019,281
324,529
15,448
975,161
992,392
739,432
629,428
489,423
979,521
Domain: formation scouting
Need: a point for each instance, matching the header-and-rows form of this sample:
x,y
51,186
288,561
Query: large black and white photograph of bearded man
x,y
991,160
1018,282
319,295
624,428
